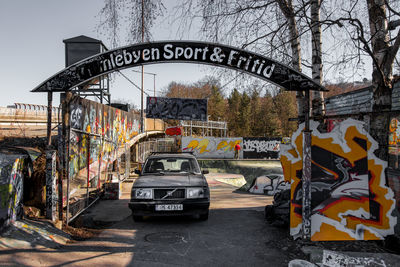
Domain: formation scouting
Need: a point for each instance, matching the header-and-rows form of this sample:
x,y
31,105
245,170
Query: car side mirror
x,y
137,171
205,171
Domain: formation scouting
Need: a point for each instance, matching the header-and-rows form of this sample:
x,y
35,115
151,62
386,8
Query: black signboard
x,y
176,108
261,147
179,51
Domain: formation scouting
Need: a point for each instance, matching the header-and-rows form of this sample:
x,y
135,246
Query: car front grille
x,y
172,193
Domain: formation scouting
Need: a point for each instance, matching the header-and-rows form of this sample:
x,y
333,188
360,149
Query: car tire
x,y
137,218
203,217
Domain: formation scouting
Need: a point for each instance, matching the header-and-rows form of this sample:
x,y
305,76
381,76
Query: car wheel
x,y
203,217
137,218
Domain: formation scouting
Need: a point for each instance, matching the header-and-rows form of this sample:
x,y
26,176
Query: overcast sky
x,y
32,49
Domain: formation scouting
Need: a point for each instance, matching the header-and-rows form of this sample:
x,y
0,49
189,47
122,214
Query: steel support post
x,y
88,169
49,113
67,136
51,197
306,177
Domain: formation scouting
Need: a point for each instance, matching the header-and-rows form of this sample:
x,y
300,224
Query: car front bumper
x,y
190,207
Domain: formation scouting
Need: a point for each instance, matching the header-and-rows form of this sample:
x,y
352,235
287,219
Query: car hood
x,y
169,180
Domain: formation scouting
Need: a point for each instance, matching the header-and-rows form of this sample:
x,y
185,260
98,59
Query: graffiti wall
x,y
97,133
350,199
13,167
261,147
212,147
176,108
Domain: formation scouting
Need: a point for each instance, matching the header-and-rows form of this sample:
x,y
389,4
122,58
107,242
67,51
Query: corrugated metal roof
x,y
350,103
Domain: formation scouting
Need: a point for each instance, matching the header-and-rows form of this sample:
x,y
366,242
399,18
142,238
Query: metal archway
x,y
179,51
198,53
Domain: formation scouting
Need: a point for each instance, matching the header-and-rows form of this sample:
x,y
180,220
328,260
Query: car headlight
x,y
142,193
195,192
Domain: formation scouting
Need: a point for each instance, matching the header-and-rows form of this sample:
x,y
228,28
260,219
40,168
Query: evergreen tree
x,y
285,106
216,104
244,115
256,117
271,125
233,112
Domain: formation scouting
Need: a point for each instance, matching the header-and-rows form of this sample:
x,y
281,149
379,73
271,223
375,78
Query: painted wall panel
x,y
98,132
350,198
261,147
212,147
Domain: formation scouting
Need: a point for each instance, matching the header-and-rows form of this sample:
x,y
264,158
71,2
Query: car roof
x,y
172,155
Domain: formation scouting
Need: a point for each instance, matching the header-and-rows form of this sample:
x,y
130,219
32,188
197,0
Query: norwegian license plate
x,y
167,207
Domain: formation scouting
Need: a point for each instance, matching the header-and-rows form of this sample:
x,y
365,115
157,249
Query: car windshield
x,y
171,164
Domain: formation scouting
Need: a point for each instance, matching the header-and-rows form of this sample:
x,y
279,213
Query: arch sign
x,y
178,51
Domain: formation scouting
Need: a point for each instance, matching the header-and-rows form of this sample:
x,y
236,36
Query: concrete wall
x,y
24,122
212,147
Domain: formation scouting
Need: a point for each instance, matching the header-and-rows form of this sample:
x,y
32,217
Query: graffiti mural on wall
x,y
12,172
97,132
211,147
349,200
261,147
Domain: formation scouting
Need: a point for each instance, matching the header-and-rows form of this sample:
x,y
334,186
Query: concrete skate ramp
x,y
250,169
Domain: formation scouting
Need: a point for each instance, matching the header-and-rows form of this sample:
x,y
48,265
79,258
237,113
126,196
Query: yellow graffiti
x,y
222,144
192,145
203,145
227,146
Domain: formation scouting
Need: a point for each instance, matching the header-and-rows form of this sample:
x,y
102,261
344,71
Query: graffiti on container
x,y
349,199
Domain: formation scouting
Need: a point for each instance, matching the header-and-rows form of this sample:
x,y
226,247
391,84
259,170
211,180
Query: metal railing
x,y
159,145
206,127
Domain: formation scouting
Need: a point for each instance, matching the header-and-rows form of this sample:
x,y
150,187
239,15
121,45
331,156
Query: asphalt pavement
x,y
235,234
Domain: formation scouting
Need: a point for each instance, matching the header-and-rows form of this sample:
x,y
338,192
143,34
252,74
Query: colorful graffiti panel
x,y
350,200
97,131
212,147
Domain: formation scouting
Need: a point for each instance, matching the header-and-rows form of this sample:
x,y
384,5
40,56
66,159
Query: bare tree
x,y
375,42
270,26
115,13
316,41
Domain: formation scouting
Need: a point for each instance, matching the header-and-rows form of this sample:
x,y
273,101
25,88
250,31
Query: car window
x,y
171,164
